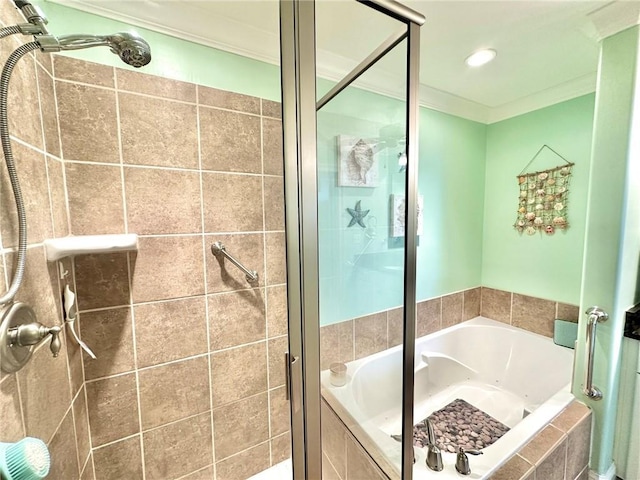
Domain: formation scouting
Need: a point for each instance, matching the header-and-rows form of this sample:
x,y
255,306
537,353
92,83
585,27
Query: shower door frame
x,y
299,108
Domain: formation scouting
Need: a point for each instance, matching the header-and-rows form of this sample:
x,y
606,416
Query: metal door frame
x,y
299,107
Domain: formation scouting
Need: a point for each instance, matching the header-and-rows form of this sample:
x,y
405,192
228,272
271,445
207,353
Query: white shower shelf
x,y
57,248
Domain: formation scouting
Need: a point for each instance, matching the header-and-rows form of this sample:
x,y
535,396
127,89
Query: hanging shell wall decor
x,y
542,201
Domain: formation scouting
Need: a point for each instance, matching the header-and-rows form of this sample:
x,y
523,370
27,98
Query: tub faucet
x,y
434,456
462,461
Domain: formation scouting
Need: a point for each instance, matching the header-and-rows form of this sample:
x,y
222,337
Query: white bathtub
x,y
507,372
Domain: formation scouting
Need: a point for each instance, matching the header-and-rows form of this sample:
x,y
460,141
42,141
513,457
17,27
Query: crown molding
x,y
615,17
560,93
255,45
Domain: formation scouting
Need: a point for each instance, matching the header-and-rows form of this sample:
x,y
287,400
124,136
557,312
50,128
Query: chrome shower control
x,y
20,332
462,461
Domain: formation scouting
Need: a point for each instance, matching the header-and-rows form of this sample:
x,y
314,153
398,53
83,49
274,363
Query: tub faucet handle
x,y
462,461
29,334
434,455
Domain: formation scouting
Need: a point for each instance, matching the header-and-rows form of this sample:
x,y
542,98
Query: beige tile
x,y
584,475
274,203
88,473
471,308
12,429
276,258
23,104
571,416
271,109
328,471
162,201
229,141
160,338
45,394
155,85
232,203
76,70
174,391
395,327
240,425
88,123
515,469
429,315
568,312
49,113
336,343
167,267
277,347
272,152
58,198
496,304
278,411
553,466
179,448
45,60
93,214
113,409
102,280
32,175
203,474
109,333
236,318
370,334
213,97
334,440
64,456
238,373
452,306
277,314
81,419
222,275
245,464
533,314
151,139
119,460
74,352
280,448
359,464
544,442
578,445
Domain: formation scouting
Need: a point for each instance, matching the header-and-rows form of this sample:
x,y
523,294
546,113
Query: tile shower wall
x,y
46,399
188,382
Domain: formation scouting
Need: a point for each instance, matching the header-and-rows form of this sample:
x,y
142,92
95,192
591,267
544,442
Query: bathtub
x,y
520,378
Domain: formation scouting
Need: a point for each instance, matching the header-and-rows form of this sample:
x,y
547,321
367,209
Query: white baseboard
x,y
609,475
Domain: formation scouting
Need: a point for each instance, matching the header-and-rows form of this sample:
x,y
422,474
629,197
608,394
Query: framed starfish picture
x,y
357,162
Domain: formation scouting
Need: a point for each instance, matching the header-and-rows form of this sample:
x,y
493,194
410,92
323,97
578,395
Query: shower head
x,y
132,49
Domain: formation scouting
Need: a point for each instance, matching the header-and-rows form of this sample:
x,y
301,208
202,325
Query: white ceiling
x,y
547,50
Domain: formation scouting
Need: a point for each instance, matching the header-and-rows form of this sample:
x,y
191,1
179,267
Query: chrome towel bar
x,y
596,315
218,249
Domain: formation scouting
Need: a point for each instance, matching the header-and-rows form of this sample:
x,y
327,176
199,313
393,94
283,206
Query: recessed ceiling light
x,y
481,57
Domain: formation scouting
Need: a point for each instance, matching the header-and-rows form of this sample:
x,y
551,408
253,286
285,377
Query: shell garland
x,y
542,201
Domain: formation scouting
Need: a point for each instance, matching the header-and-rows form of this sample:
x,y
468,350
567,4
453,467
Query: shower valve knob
x,y
33,333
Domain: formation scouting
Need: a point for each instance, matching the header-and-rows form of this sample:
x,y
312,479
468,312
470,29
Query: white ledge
x,y
57,248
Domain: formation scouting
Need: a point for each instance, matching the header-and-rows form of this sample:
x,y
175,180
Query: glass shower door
x,y
350,185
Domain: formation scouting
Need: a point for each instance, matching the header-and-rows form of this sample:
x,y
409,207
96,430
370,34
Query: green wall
x,y
538,265
172,57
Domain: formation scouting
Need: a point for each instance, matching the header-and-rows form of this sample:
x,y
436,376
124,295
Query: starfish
x,y
357,215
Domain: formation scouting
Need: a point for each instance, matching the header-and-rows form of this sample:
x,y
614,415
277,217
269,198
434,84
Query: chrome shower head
x,y
132,49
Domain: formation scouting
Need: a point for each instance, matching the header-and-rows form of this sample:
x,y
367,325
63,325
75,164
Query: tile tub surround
x,y
559,452
45,399
188,382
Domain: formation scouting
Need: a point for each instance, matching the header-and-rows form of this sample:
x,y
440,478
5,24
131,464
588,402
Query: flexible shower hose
x,y
6,31
18,275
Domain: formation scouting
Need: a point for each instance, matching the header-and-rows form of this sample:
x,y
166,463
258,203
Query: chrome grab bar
x,y
218,249
596,315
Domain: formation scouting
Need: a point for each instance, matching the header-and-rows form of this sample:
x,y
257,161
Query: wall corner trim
x,y
614,18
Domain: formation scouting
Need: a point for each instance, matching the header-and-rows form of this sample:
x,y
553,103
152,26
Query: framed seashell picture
x,y
357,162
398,213
543,198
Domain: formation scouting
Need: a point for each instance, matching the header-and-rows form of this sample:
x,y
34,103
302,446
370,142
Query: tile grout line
x,y
129,272
206,282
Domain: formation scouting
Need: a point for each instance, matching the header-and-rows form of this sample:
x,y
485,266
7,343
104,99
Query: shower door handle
x,y
595,315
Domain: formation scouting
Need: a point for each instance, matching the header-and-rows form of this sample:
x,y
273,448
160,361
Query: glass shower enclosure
x,y
352,223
